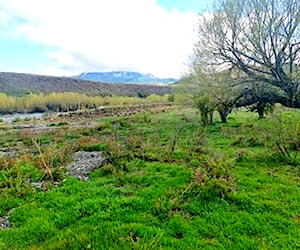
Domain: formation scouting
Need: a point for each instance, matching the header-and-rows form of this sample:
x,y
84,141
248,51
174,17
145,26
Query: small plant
x,y
120,123
171,98
175,139
142,95
199,142
47,167
14,181
117,170
102,126
286,136
52,157
146,118
212,178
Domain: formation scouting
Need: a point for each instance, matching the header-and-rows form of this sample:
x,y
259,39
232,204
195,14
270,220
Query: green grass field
x,y
169,183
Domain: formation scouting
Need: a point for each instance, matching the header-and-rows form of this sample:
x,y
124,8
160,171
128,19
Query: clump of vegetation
x,y
285,135
142,95
212,178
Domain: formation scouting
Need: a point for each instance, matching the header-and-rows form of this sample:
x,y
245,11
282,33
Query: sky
x,y
68,37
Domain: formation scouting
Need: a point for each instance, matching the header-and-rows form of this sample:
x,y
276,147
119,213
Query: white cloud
x,y
100,35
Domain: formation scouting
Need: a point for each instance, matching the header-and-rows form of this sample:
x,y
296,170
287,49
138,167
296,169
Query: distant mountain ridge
x,y
124,77
21,83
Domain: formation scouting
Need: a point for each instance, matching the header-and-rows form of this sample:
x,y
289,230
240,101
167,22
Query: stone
x,y
4,223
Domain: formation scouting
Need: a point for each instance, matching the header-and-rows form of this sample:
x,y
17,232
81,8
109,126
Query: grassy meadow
x,y
169,183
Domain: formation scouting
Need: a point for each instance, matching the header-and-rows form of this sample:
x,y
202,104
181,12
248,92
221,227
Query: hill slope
x,y
19,84
124,77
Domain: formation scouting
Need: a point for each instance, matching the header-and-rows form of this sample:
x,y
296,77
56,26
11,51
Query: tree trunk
x,y
224,110
223,116
204,118
211,116
261,110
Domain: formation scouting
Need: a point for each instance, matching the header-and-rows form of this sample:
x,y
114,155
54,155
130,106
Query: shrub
x,y
171,98
212,178
285,133
142,95
52,157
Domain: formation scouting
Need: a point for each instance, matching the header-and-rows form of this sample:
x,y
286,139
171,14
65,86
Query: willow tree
x,y
260,38
209,90
216,89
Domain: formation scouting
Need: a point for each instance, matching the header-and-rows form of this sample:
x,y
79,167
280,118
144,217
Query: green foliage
x,y
206,106
286,135
52,157
13,180
93,147
214,178
141,95
209,90
229,44
168,184
171,98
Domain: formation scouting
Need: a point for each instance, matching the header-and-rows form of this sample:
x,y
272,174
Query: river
x,y
17,116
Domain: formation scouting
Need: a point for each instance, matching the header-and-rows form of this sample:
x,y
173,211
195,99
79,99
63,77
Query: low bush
x,y
212,178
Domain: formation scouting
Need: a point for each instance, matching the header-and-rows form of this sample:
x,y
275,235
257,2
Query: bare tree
x,y
260,38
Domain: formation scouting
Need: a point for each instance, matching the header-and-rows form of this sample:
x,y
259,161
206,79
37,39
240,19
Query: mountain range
x,y
124,77
20,83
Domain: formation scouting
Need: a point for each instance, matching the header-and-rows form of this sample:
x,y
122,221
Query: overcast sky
x,y
68,37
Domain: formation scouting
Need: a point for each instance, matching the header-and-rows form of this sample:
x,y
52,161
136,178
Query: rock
x,y
35,184
85,162
4,223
